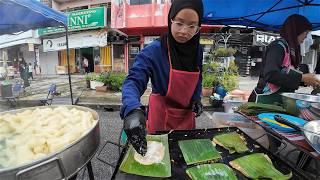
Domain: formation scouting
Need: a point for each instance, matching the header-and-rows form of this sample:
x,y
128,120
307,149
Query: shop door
x,y
88,54
134,49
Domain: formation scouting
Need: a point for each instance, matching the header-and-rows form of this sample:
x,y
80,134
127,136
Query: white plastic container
x,y
94,84
232,101
229,105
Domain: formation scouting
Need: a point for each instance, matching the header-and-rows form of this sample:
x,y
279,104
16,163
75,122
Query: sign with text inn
x,y
92,18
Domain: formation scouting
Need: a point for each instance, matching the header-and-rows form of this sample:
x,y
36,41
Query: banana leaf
x,y
216,171
231,141
258,165
162,169
198,150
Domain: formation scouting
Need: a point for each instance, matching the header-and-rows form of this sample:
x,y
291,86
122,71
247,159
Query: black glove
x,y
197,107
135,128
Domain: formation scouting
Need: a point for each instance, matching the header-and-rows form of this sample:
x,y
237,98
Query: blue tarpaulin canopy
x,y
264,14
23,15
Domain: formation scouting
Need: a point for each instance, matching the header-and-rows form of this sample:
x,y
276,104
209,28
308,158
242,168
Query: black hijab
x,y
291,29
183,55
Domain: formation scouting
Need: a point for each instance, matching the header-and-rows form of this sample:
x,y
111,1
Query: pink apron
x,y
173,111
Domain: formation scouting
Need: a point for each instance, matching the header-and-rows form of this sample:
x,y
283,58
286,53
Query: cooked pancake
x,y
232,141
155,153
258,165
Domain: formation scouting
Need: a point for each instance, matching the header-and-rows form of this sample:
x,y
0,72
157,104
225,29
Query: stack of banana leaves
x,y
232,141
258,166
196,151
211,171
160,169
253,109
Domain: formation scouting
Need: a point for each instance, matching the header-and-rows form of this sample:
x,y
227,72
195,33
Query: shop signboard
x,y
79,40
261,38
92,18
204,41
149,39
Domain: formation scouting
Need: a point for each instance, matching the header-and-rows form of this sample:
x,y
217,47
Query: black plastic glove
x,y
135,128
197,107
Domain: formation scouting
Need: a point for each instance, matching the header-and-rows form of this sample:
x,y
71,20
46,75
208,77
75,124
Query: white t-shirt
x,y
30,68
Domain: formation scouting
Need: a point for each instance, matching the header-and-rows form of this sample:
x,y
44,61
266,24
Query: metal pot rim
x,y
52,155
301,96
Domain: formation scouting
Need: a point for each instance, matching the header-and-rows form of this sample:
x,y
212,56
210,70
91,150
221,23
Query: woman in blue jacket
x,y
174,65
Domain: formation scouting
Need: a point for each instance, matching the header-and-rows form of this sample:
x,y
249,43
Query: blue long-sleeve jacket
x,y
152,62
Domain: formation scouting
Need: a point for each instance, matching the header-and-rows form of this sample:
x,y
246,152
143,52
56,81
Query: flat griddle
x,y
179,166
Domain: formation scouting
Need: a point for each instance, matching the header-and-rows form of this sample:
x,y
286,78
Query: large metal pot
x,y
293,102
62,164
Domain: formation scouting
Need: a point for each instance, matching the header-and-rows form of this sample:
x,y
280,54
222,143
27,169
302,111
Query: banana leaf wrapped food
x,y
258,165
156,162
215,171
232,141
197,151
253,109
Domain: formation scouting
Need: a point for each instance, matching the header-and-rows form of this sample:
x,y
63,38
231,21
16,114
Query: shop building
x,y
16,49
88,39
142,21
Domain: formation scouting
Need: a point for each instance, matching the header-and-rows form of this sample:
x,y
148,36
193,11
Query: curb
x,y
113,106
116,106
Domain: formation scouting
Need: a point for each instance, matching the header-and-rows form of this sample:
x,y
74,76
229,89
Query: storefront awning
x,y
27,37
21,41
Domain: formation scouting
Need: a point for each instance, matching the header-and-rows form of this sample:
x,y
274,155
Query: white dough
x,y
33,134
155,153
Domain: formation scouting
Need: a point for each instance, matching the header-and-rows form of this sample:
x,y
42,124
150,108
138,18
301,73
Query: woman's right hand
x,y
310,79
135,128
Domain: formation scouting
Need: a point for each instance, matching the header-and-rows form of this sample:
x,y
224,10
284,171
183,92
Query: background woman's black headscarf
x,y
292,27
183,55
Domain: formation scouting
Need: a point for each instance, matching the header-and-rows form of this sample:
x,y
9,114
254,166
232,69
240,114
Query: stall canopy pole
x,y
68,61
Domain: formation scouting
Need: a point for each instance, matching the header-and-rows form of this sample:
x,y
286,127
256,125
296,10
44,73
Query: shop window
x,y
118,51
160,1
96,56
100,5
134,49
118,57
140,2
75,9
109,16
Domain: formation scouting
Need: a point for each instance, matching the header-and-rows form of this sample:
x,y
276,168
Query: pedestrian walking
x,y
24,73
85,65
30,71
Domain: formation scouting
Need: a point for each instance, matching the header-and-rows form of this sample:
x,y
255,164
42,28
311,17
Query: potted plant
x,y
218,80
224,56
96,80
230,77
87,77
224,52
207,84
114,80
208,77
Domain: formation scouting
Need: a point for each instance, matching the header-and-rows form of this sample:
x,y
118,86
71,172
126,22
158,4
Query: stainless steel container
x,y
230,105
290,101
62,164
